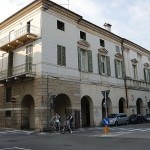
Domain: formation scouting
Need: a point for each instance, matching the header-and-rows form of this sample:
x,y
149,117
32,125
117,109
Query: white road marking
x,y
15,148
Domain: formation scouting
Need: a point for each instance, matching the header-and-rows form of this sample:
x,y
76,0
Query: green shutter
x,y
90,65
149,74
145,74
63,56
123,69
58,55
99,63
79,59
116,71
108,66
10,64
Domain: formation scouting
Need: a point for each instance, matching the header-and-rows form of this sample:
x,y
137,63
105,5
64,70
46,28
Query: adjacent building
x,y
53,60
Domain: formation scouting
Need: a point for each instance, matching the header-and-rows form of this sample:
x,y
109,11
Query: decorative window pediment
x,y
118,55
103,50
146,65
83,44
134,60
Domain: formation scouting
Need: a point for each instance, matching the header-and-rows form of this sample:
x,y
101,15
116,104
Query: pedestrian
x,y
70,122
57,121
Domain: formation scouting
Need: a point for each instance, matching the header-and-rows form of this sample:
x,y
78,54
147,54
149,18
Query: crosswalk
x,y
4,132
115,132
92,132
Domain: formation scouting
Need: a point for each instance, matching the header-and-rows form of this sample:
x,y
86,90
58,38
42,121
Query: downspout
x,y
125,81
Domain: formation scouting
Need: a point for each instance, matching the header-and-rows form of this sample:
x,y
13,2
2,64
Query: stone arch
x,y
27,112
139,106
87,111
122,105
106,108
62,106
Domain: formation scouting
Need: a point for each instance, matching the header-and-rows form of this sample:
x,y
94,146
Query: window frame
x,y
60,25
134,71
82,35
61,55
102,43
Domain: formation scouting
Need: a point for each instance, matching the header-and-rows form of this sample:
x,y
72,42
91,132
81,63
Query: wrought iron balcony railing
x,y
22,71
19,37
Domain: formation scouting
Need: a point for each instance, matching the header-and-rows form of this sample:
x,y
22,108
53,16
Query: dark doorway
x,y
27,113
85,110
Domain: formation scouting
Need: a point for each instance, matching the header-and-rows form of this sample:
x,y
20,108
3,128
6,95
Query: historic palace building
x,y
53,60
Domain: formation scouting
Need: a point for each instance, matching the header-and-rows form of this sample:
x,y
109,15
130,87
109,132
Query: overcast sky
x,y
130,19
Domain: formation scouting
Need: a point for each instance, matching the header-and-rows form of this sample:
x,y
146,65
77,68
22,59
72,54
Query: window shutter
x,y
79,59
149,74
63,56
145,74
116,71
99,63
123,69
90,65
58,55
108,66
10,63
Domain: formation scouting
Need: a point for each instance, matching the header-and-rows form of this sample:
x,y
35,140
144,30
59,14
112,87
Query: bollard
x,y
106,130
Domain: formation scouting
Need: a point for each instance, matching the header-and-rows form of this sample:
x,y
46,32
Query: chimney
x,y
107,27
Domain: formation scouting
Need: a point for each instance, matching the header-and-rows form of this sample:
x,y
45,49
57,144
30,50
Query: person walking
x,y
70,121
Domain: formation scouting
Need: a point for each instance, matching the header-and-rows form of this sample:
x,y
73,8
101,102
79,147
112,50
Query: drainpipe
x,y
125,81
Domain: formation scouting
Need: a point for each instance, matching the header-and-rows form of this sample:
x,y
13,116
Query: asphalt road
x,y
130,137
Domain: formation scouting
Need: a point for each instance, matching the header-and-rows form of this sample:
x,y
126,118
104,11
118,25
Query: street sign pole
x,y
105,105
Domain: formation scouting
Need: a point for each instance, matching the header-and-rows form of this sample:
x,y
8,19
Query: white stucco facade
x,y
44,40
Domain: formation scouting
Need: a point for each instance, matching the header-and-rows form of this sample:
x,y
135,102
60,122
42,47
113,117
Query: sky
x,y
130,19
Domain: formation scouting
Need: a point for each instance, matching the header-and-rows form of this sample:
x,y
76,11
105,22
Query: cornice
x,y
29,8
99,30
138,48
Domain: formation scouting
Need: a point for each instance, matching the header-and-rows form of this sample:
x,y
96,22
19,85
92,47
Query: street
x,y
121,137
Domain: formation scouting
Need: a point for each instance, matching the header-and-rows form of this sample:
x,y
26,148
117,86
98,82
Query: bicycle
x,y
53,127
66,128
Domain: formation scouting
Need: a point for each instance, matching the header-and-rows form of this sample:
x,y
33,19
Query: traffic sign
x,y
107,93
106,121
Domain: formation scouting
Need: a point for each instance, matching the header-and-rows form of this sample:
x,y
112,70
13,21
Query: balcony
x,y
21,72
18,38
136,84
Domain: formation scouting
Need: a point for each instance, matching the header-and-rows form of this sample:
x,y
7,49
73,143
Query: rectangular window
x,y
104,64
61,55
29,55
134,68
8,94
85,60
119,68
147,74
60,25
102,43
7,113
82,35
103,60
117,49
